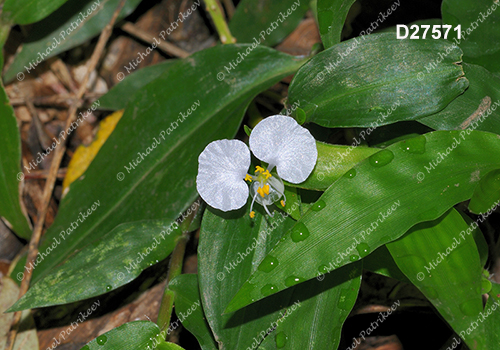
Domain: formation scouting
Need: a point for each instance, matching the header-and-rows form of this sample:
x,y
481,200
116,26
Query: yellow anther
x,y
267,174
252,214
248,178
263,190
282,203
259,169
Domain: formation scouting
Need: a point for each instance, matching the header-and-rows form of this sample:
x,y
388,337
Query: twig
x,y
54,166
228,4
215,10
43,174
64,101
165,46
175,269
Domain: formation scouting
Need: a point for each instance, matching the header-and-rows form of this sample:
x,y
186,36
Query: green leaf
x,y
29,11
487,194
166,127
333,162
325,304
381,262
266,22
118,97
477,108
440,258
108,263
57,33
387,196
10,170
230,250
376,80
131,336
189,310
331,18
479,20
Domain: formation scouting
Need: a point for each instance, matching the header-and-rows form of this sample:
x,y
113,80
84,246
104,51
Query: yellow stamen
x,y
263,190
248,178
252,214
259,169
267,174
282,203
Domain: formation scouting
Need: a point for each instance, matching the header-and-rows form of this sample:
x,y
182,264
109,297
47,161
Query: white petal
x,y
280,141
222,167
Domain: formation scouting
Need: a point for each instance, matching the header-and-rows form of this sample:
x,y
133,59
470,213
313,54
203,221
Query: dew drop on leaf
x,y
354,258
381,158
268,289
268,264
350,174
469,307
281,339
363,249
318,205
414,145
299,232
293,280
108,287
102,339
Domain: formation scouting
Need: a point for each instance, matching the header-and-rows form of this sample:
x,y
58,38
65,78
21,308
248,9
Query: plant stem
x,y
214,8
175,269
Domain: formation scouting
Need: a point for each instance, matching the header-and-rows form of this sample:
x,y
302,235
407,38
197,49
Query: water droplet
x,y
430,292
323,269
101,340
268,289
293,280
350,174
414,145
281,339
268,264
363,249
485,285
318,205
472,307
299,232
86,347
354,258
381,158
108,288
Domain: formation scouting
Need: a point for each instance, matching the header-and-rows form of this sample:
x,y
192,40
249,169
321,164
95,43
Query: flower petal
x,y
280,141
222,167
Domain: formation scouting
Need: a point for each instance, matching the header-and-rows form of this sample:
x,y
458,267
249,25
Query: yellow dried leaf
x,y
84,155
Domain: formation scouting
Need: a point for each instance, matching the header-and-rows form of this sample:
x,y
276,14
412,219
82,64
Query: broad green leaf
x,y
108,263
118,97
325,304
229,251
131,336
333,162
29,11
307,315
487,194
189,310
480,40
10,170
440,258
266,22
376,80
477,108
331,18
167,125
73,24
381,262
387,196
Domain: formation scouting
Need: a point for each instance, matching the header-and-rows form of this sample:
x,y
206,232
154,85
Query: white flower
x,y
277,140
